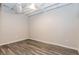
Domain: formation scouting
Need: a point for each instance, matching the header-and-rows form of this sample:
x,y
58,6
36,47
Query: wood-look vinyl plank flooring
x,y
32,47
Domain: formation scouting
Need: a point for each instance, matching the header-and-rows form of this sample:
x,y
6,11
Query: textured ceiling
x,y
41,7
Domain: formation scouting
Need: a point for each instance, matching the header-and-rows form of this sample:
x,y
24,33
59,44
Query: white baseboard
x,y
58,44
11,42
78,50
65,46
40,41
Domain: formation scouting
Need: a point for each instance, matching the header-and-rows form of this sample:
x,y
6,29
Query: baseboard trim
x,y
78,50
40,41
58,45
12,42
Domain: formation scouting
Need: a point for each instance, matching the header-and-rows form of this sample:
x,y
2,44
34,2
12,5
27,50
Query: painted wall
x,y
13,27
0,23
59,26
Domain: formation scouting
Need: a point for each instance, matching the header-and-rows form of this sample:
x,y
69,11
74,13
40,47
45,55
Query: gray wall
x,y
13,27
59,26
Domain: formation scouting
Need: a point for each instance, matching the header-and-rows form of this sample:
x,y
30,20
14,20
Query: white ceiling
x,y
41,7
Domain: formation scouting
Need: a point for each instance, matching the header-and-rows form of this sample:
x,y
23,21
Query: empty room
x,y
39,28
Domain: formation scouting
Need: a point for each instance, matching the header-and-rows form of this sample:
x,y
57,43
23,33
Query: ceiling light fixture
x,y
19,7
33,6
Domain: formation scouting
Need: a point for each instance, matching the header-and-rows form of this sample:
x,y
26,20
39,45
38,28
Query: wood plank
x,y
32,47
